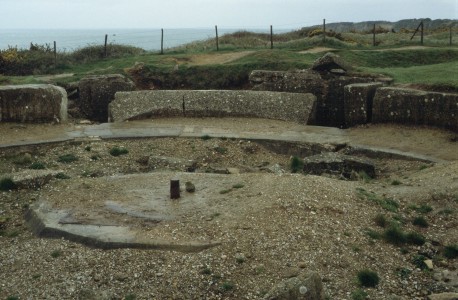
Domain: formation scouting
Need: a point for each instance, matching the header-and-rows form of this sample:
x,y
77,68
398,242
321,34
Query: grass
x,y
381,221
396,182
62,176
67,158
56,253
396,236
227,286
7,184
296,165
359,294
386,203
225,191
117,151
238,186
420,222
37,166
423,208
368,278
451,251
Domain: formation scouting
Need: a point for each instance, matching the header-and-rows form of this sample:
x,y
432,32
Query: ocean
x,y
68,40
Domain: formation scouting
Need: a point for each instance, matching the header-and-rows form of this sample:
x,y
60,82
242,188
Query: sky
x,y
97,14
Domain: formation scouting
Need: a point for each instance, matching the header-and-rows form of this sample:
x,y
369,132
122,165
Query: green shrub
x,y
56,253
424,208
381,220
116,151
221,150
238,186
373,234
67,158
415,238
297,164
37,166
451,251
368,278
359,295
394,235
420,221
23,159
227,286
62,176
7,184
396,182
419,261
206,137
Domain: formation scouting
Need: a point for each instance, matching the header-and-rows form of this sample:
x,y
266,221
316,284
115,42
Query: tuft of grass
x,y
415,238
451,251
386,203
7,184
23,159
368,278
56,253
394,235
373,234
396,182
419,261
12,298
67,158
62,176
381,221
130,297
221,150
88,148
222,192
117,151
37,166
296,164
206,137
364,177
423,208
238,186
420,222
227,286
359,294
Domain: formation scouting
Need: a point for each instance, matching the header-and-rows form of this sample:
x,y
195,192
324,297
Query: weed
x,y
404,250
36,276
130,297
87,148
95,157
221,150
13,234
227,286
37,166
62,176
222,192
396,182
12,298
415,238
24,159
356,248
381,220
67,158
359,294
206,271
364,176
297,164
420,221
386,203
451,251
238,186
394,235
7,184
424,209
446,211
368,278
56,253
419,261
206,137
116,151
422,167
373,234
403,272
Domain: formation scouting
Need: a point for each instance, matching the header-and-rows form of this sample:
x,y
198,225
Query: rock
x,y
144,160
303,287
173,163
415,107
276,169
358,99
337,164
328,62
33,103
233,171
429,263
190,187
293,107
303,81
96,92
443,296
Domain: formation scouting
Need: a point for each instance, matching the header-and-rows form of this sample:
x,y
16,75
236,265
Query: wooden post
x,y
324,30
451,34
55,53
162,40
106,41
174,189
373,36
217,42
271,37
422,28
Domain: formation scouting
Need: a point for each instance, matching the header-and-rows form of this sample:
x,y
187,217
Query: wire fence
x,y
159,39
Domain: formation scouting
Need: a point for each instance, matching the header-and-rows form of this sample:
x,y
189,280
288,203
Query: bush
x,y
116,151
67,158
420,221
37,166
415,238
451,251
7,184
359,295
381,220
394,235
297,164
368,278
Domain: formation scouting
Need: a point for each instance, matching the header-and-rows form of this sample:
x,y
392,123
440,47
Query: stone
x,y
302,287
358,100
276,169
96,92
443,296
300,81
293,107
33,103
328,62
190,187
429,264
233,170
415,107
337,164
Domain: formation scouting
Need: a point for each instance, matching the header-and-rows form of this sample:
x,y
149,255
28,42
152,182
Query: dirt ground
x,y
272,224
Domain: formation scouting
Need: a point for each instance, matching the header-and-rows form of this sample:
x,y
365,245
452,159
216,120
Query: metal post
x,y
55,53
451,35
162,41
174,189
106,41
324,30
373,36
271,37
422,27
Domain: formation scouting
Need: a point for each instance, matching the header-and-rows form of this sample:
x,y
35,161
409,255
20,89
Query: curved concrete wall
x,y
213,103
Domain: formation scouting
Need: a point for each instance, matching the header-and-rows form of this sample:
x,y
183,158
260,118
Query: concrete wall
x,y
33,103
145,104
358,100
409,106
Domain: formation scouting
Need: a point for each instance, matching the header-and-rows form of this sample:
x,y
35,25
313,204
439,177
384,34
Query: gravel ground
x,y
272,227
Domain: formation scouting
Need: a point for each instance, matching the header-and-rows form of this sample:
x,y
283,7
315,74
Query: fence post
x,y
217,42
422,28
451,34
373,36
324,30
55,53
271,37
162,41
106,40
